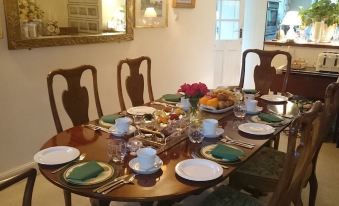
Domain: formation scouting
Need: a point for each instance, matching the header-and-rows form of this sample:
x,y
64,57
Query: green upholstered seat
x,y
226,196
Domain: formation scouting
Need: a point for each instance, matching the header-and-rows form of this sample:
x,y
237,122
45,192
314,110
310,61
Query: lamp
x,y
150,12
291,19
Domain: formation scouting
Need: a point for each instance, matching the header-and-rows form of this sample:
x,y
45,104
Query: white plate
x,y
56,155
135,166
257,111
213,110
198,169
106,124
113,130
140,110
256,119
218,132
274,98
103,176
256,128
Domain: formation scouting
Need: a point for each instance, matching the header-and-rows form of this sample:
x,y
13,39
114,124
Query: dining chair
x,y
332,99
265,73
298,160
262,172
75,99
134,83
30,175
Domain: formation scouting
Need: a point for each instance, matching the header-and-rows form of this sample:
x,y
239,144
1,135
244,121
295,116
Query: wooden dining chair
x,y
297,161
134,83
332,99
265,73
75,99
30,175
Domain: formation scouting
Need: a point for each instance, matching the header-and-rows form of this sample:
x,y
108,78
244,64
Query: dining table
x,y
164,186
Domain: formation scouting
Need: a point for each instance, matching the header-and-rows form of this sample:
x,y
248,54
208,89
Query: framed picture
x,y
151,13
183,3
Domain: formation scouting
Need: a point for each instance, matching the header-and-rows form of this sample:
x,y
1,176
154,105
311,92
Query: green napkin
x,y
271,118
172,97
110,118
222,151
249,91
86,171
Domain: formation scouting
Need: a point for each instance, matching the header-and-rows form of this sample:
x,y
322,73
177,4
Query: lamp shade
x,y
291,18
150,12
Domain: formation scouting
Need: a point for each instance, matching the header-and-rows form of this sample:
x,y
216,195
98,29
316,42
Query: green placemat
x,y
222,151
172,97
110,118
271,118
89,170
249,91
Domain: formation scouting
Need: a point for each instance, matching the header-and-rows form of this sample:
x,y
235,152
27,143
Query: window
x,y
227,19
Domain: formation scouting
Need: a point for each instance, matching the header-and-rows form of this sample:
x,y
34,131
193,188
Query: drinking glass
x,y
239,111
133,145
117,150
138,119
195,133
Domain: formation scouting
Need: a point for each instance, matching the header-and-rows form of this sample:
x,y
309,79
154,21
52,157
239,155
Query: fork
x,y
236,143
127,180
108,184
237,140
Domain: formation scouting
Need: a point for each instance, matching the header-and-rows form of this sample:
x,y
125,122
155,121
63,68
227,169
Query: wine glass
x,y
133,145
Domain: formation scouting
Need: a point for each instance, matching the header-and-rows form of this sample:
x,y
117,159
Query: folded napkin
x,y
249,91
172,97
86,171
222,151
271,118
110,118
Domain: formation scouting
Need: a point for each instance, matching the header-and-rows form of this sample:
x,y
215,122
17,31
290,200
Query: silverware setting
x,y
116,184
194,156
82,157
110,183
238,140
96,127
238,143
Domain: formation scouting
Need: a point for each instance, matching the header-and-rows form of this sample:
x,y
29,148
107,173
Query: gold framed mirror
x,y
45,23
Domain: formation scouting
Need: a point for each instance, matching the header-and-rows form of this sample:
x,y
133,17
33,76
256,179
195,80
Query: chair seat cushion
x,y
268,163
224,196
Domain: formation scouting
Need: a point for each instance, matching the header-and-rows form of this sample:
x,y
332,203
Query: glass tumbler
x,y
195,133
133,146
116,150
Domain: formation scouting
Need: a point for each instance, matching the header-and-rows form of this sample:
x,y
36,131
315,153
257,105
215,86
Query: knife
x,y
115,180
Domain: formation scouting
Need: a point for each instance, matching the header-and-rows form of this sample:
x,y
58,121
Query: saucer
x,y
257,111
218,132
113,130
135,166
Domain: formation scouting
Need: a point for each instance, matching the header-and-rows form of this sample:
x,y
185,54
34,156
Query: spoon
x,y
82,157
124,181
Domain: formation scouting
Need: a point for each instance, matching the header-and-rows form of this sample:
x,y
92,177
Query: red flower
x,y
194,90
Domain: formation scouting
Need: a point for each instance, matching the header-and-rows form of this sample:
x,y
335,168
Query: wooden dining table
x,y
164,185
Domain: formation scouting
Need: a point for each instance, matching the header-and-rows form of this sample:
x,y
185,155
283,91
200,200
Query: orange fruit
x,y
213,102
203,100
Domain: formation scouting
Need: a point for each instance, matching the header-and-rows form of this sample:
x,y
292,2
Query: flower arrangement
x,y
29,11
194,92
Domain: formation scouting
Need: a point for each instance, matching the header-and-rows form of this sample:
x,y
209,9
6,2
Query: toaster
x,y
328,61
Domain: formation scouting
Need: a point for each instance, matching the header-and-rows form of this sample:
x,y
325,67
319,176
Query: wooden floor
x,y
47,194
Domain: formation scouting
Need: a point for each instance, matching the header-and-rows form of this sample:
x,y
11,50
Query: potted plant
x,y
323,15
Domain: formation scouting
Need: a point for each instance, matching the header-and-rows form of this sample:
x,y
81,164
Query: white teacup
x,y
209,127
146,158
122,125
251,105
248,97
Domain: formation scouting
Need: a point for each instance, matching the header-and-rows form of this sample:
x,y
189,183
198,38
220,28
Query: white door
x,y
228,43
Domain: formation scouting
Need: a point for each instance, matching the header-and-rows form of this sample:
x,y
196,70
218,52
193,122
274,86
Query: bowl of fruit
x,y
217,101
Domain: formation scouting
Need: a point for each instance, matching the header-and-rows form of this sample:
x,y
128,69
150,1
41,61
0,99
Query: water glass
x,y
133,145
239,110
117,150
195,133
138,119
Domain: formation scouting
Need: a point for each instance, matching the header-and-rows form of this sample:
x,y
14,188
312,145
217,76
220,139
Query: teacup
x,y
146,158
248,97
251,105
209,127
122,125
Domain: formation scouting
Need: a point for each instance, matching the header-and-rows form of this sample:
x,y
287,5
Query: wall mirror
x,y
43,23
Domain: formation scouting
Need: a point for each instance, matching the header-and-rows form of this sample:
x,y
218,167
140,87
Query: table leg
x,y
146,203
67,198
97,202
276,141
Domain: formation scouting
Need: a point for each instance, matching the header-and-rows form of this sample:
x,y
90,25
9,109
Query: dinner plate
x,y
113,130
103,176
107,124
206,153
135,166
56,155
256,128
274,98
198,169
140,110
219,131
213,110
256,119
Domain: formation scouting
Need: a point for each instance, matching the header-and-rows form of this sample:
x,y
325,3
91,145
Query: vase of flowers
x,y
193,92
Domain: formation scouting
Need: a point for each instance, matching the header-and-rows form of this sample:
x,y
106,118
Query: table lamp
x,y
291,19
149,15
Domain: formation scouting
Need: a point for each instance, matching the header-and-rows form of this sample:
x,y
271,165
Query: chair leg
x,y
68,198
313,190
276,141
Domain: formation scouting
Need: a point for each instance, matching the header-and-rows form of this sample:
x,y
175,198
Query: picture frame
x,y
183,3
151,13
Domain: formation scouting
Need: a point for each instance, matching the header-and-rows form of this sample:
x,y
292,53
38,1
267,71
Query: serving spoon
x,y
82,157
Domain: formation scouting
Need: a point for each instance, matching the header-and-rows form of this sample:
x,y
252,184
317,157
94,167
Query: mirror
x,y
43,23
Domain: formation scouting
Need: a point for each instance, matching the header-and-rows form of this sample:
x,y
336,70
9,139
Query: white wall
x,y
183,52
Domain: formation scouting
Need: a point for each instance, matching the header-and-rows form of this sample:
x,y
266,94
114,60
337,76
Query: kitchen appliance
x,y
328,61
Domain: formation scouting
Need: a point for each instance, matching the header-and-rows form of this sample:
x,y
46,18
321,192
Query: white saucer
x,y
113,130
257,111
218,132
135,166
